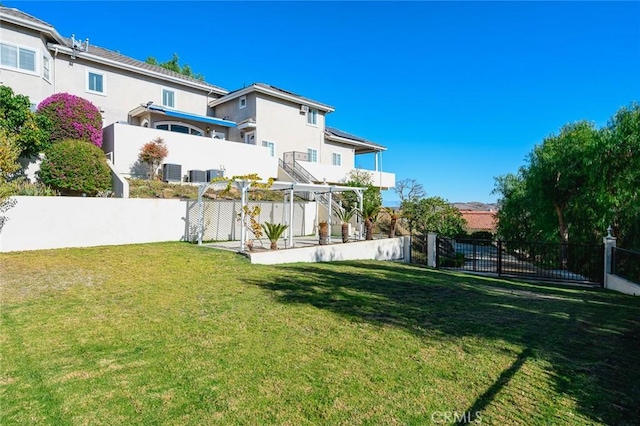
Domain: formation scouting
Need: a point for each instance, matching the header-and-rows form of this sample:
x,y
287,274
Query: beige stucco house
x,y
257,129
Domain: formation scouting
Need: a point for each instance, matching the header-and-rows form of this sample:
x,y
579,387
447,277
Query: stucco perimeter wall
x,y
55,222
614,282
385,249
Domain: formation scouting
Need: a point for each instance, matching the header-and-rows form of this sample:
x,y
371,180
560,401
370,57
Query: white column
x,y
330,214
244,186
431,249
291,217
361,219
201,190
375,156
609,243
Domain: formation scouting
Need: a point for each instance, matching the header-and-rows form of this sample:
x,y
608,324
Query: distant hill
x,y
476,206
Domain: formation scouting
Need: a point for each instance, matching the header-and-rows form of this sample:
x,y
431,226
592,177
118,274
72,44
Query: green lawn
x,y
179,334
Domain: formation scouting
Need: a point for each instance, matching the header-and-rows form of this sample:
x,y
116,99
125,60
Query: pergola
x,y
291,188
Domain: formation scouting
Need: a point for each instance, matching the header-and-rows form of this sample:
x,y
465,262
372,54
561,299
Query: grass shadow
x,y
591,337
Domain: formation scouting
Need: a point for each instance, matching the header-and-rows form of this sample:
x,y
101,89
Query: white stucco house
x,y
208,130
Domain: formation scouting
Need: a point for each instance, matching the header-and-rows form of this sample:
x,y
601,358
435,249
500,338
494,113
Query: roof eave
x,y
47,29
116,64
372,146
271,92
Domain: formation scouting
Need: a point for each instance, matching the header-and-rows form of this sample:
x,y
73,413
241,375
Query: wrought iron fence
x,y
626,264
558,262
555,261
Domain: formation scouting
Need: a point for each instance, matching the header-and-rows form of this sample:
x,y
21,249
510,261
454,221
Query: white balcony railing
x,y
339,174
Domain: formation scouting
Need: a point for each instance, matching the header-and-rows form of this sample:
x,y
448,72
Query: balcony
x,y
192,152
337,174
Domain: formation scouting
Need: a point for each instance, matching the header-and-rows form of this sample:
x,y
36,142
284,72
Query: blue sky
x,y
458,92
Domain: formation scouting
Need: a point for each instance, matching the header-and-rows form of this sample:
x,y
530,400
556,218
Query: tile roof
x,y
106,53
118,57
25,16
341,134
480,220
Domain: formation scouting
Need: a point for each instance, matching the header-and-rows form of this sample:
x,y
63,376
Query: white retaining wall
x,y
56,222
385,249
614,282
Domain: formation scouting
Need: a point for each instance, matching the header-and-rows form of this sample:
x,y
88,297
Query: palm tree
x,y
273,231
369,215
394,215
345,216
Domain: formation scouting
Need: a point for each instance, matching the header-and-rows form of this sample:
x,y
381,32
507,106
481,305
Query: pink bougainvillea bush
x,y
72,117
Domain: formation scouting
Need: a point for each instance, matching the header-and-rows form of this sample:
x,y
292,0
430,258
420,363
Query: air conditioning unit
x,y
304,108
214,173
171,172
197,176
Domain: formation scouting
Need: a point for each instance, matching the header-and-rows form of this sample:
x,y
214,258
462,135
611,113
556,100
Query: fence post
x,y
406,247
609,243
499,266
431,249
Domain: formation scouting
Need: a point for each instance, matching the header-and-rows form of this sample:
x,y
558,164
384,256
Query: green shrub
x,y
75,167
26,188
482,235
450,262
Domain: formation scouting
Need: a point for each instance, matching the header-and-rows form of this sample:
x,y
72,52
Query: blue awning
x,y
194,117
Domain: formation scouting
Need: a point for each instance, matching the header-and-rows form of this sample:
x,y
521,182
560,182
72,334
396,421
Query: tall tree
x,y
577,183
559,170
433,214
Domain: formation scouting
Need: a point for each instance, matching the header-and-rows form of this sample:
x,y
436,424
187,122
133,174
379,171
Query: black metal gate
x,y
582,263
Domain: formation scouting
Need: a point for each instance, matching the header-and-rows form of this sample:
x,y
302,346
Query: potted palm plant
x,y
274,231
345,216
323,232
369,214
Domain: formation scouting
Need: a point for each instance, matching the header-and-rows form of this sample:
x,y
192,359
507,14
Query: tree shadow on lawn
x,y
590,336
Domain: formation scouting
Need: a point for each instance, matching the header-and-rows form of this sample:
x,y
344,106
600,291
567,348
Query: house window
x,y
336,159
242,102
45,68
17,57
179,128
313,155
271,146
95,82
168,98
312,117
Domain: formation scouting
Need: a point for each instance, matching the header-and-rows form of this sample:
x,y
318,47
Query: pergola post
x,y
202,188
361,221
330,212
244,187
291,217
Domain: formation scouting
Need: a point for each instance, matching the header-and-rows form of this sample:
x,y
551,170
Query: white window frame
x,y
46,68
36,55
312,154
334,156
178,123
312,117
271,146
104,82
242,102
175,97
